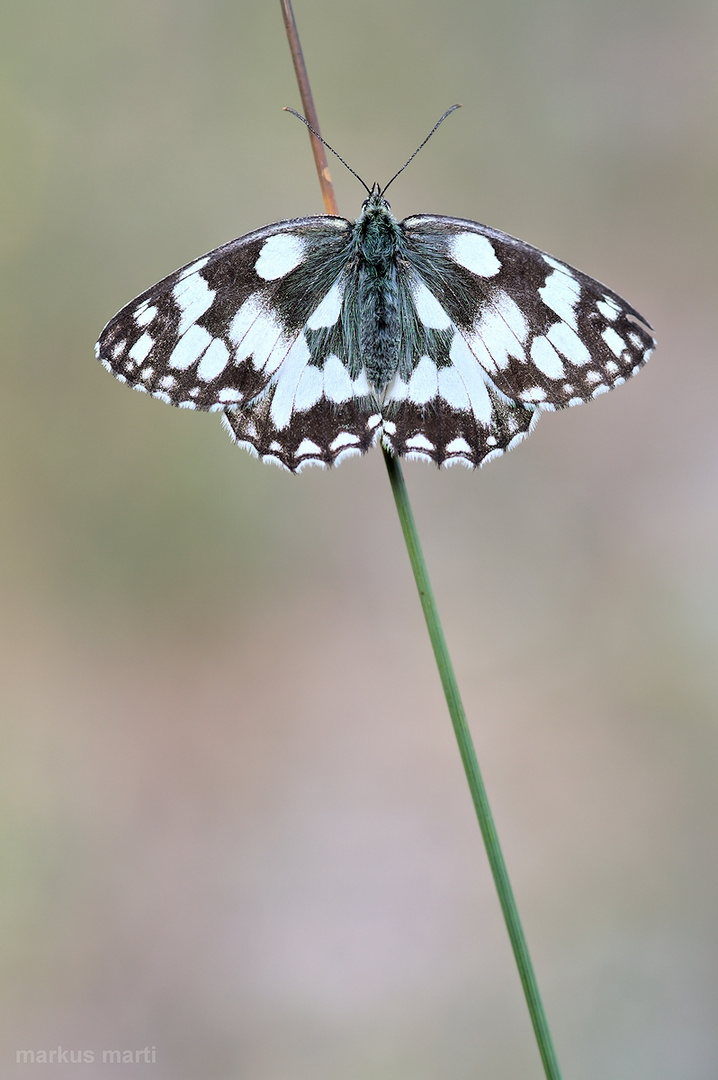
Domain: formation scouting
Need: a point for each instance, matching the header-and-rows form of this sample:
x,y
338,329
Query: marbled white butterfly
x,y
316,337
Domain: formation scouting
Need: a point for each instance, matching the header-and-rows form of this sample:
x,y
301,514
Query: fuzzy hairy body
x,y
378,250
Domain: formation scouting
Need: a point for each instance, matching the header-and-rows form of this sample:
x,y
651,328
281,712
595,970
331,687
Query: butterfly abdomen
x,y
378,307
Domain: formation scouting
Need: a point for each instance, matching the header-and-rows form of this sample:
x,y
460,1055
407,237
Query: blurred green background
x,y
234,822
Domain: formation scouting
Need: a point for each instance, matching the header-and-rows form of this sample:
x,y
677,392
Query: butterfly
x,y
317,337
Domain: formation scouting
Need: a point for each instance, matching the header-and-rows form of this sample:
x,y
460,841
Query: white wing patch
x,y
610,311
330,308
476,253
190,347
214,361
547,359
309,389
338,385
145,316
193,296
564,338
307,448
424,382
614,341
428,307
280,254
474,379
141,349
287,383
258,335
420,442
561,293
500,330
452,388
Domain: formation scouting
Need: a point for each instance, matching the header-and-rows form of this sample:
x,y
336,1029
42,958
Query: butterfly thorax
x,y
379,242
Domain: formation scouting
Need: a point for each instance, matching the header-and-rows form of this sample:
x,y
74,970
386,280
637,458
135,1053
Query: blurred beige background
x,y
234,823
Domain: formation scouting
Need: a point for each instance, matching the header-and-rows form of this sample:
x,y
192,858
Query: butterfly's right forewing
x,y
213,334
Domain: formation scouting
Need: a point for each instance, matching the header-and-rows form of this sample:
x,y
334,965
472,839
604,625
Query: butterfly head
x,y
375,203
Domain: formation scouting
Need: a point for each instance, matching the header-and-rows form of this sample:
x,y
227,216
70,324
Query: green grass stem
x,y
443,660
471,767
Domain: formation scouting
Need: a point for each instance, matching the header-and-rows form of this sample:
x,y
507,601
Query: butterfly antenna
x,y
421,145
324,141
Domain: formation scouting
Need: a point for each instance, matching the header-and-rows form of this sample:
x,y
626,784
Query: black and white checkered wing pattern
x,y
523,333
315,337
230,332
